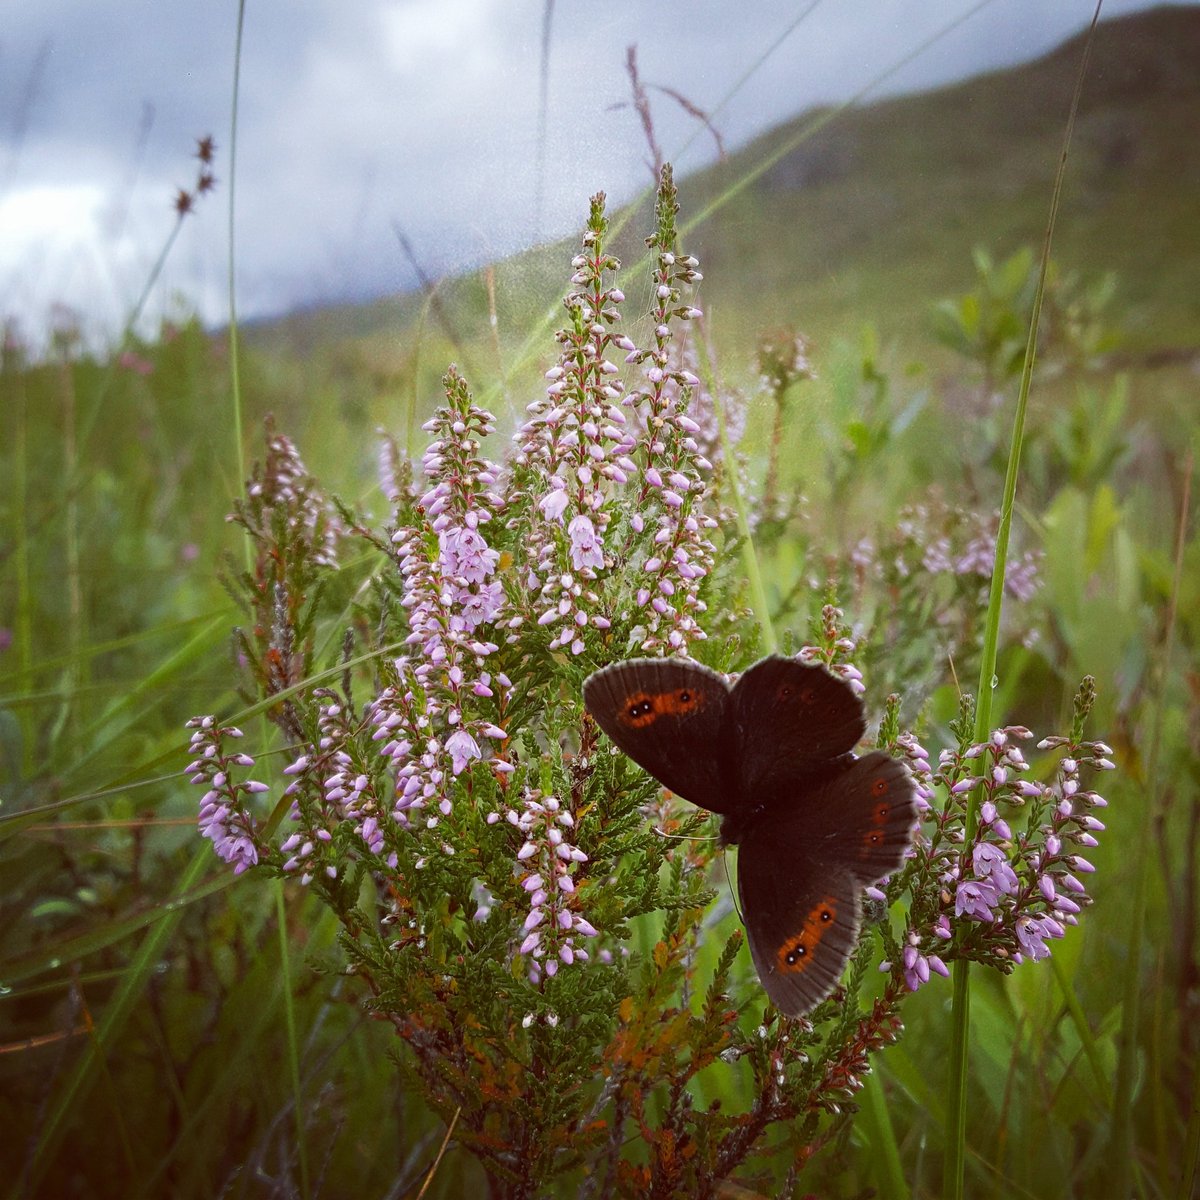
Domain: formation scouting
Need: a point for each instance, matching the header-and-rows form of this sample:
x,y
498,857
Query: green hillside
x,y
877,212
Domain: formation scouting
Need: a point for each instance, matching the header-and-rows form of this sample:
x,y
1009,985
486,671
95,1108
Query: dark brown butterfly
x,y
772,754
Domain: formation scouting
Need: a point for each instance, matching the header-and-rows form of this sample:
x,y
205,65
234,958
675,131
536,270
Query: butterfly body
x,y
771,754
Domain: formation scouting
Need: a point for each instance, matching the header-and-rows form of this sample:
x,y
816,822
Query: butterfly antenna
x,y
685,837
954,674
737,908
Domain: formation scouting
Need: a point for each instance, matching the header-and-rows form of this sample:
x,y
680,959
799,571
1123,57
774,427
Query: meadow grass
x,y
150,998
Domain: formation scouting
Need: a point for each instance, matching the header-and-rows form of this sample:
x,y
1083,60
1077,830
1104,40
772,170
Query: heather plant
x,y
527,910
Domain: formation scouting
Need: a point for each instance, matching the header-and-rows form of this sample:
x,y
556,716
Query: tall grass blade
x,y
235,383
1120,1155
46,956
952,1179
876,1124
293,1046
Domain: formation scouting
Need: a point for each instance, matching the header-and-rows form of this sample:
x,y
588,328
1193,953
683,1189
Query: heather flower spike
x,y
225,817
615,476
670,484
569,456
1001,898
547,862
438,715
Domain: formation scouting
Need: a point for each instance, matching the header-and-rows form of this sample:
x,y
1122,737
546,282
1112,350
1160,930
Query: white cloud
x,y
456,38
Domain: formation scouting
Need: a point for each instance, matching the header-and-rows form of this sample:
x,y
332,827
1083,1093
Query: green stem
x,y
955,1161
1121,1147
885,1154
289,1019
235,383
17,405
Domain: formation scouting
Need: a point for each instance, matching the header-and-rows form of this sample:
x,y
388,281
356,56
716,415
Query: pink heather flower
x,y
462,748
975,898
554,503
465,555
224,817
917,966
372,835
991,863
586,547
476,607
484,902
330,785
1032,932
219,822
834,654
284,486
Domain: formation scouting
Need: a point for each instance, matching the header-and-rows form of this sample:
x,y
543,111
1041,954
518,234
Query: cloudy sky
x,y
361,116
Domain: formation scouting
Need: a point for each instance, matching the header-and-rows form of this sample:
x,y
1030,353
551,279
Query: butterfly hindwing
x,y
792,719
671,716
802,921
802,867
859,821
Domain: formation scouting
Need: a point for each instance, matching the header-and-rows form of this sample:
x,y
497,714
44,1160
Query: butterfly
x,y
771,753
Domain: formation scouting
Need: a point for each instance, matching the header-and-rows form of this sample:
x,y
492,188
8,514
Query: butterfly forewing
x,y
671,717
792,720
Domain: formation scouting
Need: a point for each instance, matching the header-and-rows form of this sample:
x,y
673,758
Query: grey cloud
x,y
355,115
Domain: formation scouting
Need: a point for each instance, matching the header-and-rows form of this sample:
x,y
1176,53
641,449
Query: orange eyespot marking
x,y
640,710
879,814
880,787
644,708
795,955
